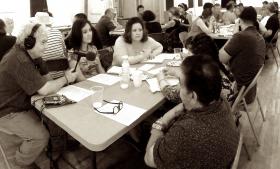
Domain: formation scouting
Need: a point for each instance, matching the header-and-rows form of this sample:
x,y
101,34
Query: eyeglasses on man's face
x,y
116,109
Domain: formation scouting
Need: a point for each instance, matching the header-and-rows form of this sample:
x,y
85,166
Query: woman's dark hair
x,y
81,16
128,29
2,27
148,16
184,6
76,35
174,11
204,44
139,6
207,10
249,14
202,76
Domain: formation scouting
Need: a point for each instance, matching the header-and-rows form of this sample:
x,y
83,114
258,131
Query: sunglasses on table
x,y
116,109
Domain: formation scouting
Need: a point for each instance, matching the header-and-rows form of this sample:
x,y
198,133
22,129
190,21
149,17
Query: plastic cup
x,y
177,51
137,78
97,96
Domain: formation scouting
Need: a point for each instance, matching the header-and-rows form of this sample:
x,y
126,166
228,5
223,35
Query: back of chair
x,y
275,37
254,82
106,57
237,100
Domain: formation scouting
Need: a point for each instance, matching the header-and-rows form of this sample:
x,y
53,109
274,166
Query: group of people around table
x,y
199,132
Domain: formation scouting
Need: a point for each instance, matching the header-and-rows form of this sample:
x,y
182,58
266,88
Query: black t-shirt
x,y
247,50
19,80
6,43
153,27
272,24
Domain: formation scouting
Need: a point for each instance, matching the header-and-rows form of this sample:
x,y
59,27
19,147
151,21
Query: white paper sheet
x,y
161,57
172,81
146,67
118,70
75,93
105,79
153,85
126,116
156,71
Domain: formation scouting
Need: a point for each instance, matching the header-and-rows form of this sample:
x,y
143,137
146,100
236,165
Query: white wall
x,y
18,10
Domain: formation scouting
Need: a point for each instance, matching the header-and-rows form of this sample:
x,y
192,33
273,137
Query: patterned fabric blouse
x,y
88,68
205,138
172,93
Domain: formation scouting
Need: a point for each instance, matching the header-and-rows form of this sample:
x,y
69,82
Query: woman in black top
x,y
174,22
151,25
6,42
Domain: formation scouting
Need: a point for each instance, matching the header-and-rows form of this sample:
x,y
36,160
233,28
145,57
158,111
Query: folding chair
x,y
253,83
237,101
273,44
3,151
106,57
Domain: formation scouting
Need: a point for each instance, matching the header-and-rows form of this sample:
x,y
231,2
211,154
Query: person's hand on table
x,y
71,76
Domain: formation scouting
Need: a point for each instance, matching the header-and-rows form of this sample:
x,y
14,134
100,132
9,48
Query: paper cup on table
x,y
97,96
137,77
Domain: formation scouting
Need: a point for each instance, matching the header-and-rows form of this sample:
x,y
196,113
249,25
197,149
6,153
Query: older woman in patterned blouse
x,y
200,44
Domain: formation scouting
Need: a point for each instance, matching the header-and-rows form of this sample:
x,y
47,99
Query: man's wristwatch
x,y
158,125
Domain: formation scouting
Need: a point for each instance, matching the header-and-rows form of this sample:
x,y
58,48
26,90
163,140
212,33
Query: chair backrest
x,y
275,37
106,58
237,100
238,151
254,82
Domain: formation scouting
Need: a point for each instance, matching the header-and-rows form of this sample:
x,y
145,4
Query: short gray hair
x,y
26,31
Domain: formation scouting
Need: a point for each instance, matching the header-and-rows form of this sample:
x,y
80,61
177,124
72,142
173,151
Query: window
x,y
17,10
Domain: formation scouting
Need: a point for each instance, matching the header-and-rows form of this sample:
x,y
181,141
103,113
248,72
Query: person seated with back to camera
x,y
135,43
200,44
199,132
81,39
21,76
151,25
6,41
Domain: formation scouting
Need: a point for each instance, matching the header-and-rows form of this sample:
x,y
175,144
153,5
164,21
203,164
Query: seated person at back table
x,y
229,16
203,23
106,24
6,41
272,24
81,39
20,78
151,25
135,44
245,52
199,132
200,44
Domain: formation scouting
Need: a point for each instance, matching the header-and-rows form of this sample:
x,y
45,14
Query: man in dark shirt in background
x,y
106,24
200,132
20,78
245,52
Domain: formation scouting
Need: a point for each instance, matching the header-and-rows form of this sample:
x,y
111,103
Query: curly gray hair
x,y
26,31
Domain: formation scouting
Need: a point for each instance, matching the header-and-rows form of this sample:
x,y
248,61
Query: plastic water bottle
x,y
125,76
